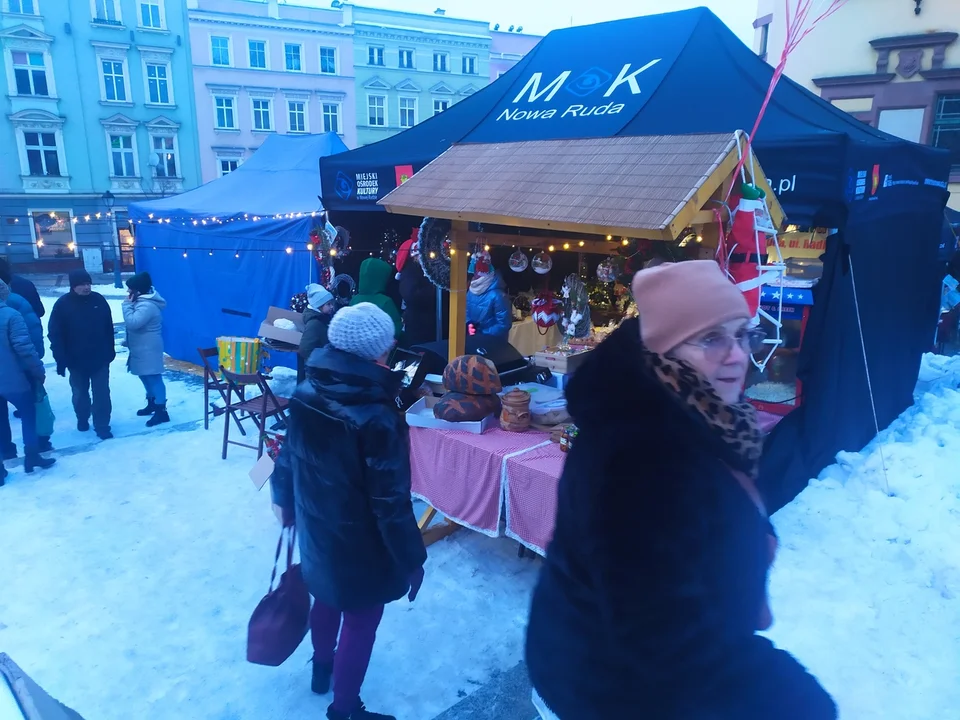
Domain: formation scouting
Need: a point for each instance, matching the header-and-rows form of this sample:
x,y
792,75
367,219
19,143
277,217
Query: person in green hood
x,y
375,275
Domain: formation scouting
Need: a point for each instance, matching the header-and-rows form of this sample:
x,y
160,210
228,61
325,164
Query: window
x,y
106,11
441,62
407,58
226,117
328,60
151,14
165,146
905,123
261,115
42,155
946,127
114,84
331,117
258,54
122,156
764,41
440,105
291,57
374,55
469,66
52,234
158,84
23,7
227,165
297,111
408,112
30,73
220,50
377,110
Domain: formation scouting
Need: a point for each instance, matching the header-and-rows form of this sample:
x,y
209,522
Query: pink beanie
x,y
677,301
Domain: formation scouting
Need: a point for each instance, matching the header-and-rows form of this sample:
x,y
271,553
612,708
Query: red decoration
x,y
546,309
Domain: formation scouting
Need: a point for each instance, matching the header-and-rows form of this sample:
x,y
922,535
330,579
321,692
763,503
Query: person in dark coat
x,y
654,585
321,306
375,277
343,476
488,306
22,287
419,297
81,339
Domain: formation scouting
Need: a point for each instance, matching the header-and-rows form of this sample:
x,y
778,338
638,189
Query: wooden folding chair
x,y
212,381
259,409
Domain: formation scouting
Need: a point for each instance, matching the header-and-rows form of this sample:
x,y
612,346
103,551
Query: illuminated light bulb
x,y
184,254
39,243
289,251
16,220
53,214
566,246
73,220
468,254
150,215
71,246
486,248
333,252
236,255
609,237
625,242
699,238
194,223
432,254
453,251
581,243
551,248
211,253
202,222
86,218
309,246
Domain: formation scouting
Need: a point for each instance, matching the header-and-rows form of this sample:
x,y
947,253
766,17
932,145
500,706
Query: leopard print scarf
x,y
734,425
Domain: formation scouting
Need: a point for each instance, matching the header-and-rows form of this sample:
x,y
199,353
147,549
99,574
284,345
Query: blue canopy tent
x,y
219,253
684,73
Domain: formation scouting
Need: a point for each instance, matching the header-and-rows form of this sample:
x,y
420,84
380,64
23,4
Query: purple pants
x,y
352,657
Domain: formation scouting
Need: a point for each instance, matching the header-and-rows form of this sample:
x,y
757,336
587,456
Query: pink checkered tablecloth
x,y
531,495
461,473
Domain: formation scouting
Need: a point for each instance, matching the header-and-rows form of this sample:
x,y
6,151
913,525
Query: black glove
x,y
61,371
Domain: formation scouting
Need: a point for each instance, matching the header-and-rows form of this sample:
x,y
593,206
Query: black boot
x,y
321,678
32,459
149,410
83,425
44,445
361,713
105,434
159,417
9,452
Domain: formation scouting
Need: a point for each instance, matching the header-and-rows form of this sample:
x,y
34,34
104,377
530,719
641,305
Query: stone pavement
x,y
505,697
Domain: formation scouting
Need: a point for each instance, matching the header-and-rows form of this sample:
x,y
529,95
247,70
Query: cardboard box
x,y
291,337
562,362
262,471
420,414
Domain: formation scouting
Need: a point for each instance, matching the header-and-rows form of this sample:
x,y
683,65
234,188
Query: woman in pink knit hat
x,y
654,586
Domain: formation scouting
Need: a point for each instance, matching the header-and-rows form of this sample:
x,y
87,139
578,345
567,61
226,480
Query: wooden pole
x,y
458,290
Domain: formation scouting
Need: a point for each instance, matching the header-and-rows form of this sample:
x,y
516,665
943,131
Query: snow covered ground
x,y
129,571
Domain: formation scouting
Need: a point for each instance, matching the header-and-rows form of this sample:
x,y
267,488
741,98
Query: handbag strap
x,y
291,540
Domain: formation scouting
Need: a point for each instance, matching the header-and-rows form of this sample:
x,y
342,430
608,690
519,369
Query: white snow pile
x,y
129,571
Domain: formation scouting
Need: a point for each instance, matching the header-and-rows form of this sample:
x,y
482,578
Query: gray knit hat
x,y
363,330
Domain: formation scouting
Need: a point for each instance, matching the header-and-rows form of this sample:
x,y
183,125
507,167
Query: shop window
x,y
52,234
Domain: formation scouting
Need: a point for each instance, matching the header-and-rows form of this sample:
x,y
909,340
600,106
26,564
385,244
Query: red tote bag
x,y
279,623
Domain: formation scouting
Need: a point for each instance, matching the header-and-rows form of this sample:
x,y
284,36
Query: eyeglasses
x,y
716,346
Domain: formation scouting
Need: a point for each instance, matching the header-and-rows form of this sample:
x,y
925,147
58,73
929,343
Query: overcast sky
x,y
541,16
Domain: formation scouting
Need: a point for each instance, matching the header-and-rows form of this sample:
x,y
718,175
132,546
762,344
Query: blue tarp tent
x,y
686,72
218,253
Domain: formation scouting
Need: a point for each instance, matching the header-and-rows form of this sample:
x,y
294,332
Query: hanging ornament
x,y
518,261
482,263
607,271
542,263
435,251
343,288
298,303
546,309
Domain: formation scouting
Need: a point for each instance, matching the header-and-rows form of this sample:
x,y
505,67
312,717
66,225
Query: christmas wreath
x,y
435,251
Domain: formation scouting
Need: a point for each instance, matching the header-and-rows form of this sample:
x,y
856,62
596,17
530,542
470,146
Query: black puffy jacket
x,y
81,332
649,597
315,327
345,469
420,301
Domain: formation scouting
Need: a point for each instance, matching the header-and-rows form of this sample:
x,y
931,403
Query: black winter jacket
x,y
28,291
649,596
345,469
420,300
81,332
315,327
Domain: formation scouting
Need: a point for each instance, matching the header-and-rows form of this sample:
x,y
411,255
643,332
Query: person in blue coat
x,y
488,306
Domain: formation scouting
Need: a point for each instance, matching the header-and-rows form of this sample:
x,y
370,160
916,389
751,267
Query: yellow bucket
x,y
240,354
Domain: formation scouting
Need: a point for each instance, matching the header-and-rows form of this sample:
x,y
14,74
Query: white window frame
x,y
441,54
132,134
266,54
46,211
154,136
230,56
270,114
476,64
336,59
221,158
171,99
400,110
413,58
58,144
445,101
40,121
386,108
162,12
113,55
47,71
300,56
370,51
233,109
306,115
106,21
9,7
338,107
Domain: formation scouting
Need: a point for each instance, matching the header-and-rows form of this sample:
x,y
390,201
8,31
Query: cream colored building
x,y
894,64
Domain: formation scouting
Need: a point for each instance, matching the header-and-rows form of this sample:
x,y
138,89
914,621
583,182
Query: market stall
x,y
661,188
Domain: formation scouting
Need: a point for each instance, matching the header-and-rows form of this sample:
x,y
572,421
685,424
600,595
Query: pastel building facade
x,y
263,67
507,49
894,64
98,111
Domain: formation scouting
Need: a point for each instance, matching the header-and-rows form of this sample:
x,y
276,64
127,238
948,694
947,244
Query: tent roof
x,y
636,186
671,74
280,178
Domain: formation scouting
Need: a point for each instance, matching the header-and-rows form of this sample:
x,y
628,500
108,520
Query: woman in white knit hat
x,y
343,476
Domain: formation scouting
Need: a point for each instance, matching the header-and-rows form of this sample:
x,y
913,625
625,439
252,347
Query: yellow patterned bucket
x,y
240,354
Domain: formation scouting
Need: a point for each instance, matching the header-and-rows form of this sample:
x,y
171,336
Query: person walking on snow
x,y
21,372
375,275
81,339
653,590
343,477
143,318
